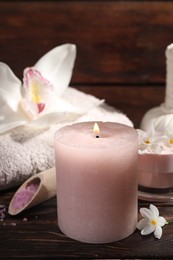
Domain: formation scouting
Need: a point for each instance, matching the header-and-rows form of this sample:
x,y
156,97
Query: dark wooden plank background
x,y
121,45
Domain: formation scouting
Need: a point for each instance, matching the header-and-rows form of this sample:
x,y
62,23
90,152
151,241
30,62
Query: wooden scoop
x,y
35,190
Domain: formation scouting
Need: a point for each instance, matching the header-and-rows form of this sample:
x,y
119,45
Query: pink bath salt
x,y
24,196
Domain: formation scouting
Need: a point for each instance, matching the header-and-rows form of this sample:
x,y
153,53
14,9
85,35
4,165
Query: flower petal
x,y
162,221
11,114
74,101
141,136
37,93
148,230
57,65
158,232
155,148
146,213
71,105
142,224
9,87
154,211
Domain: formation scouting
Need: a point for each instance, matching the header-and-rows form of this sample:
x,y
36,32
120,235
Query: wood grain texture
x,y
117,41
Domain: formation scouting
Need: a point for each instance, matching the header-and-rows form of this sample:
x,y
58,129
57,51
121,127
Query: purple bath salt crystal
x,y
2,212
24,196
2,208
2,215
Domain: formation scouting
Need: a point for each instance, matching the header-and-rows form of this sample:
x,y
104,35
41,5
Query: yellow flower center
x,y
147,141
36,98
154,222
171,140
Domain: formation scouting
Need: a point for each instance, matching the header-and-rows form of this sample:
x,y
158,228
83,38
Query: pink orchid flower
x,y
36,100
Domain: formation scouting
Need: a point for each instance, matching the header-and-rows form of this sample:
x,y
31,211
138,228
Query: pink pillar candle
x,y
96,181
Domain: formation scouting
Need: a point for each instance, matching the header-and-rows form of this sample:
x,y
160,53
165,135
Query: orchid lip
x,y
37,92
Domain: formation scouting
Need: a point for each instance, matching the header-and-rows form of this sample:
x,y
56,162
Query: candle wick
x,y
97,136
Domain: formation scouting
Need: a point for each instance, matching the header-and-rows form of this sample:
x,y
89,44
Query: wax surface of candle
x,y
96,181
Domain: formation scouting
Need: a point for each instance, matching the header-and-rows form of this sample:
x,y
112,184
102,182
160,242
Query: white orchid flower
x,y
37,100
151,221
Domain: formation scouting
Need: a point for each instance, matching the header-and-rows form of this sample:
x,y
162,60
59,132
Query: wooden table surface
x,y
35,234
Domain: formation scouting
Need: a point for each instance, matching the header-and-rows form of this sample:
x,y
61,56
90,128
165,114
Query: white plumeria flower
x,y
148,142
168,139
151,221
37,99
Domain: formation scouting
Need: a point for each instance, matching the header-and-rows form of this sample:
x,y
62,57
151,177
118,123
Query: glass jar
x,y
155,175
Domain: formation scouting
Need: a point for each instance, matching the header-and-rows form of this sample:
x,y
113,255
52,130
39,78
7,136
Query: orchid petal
x,y
9,87
11,114
148,230
57,65
146,213
142,224
37,93
73,102
154,211
158,232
